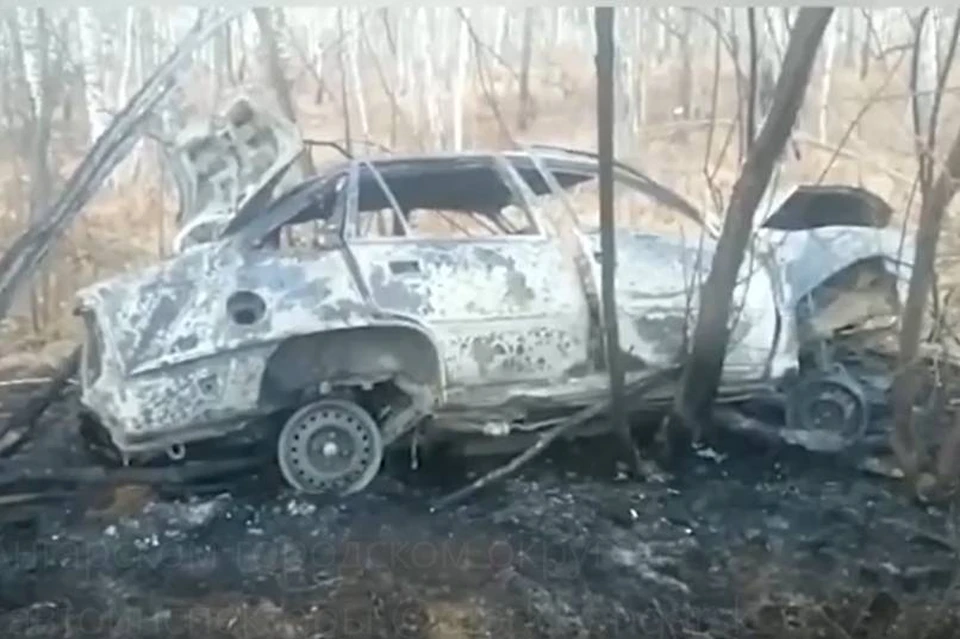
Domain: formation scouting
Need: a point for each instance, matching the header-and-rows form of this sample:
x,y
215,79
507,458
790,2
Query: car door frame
x,y
636,180
538,235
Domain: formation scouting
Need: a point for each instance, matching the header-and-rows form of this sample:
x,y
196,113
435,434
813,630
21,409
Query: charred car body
x,y
457,295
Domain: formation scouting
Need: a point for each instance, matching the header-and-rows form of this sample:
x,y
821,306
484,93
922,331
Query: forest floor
x,y
743,543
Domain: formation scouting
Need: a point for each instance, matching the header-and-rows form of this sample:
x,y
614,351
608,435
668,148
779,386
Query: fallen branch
x,y
631,390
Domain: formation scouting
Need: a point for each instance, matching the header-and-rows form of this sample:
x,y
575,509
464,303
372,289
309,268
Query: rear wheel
x,y
330,447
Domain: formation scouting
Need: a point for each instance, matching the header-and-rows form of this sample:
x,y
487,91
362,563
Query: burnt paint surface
x,y
173,354
657,283
501,310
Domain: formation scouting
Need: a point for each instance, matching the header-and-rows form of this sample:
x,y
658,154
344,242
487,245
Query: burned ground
x,y
745,543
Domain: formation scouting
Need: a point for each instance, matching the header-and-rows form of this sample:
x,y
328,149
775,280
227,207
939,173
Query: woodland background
x,y
407,79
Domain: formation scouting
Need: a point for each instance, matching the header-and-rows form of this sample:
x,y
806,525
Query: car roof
x,y
460,189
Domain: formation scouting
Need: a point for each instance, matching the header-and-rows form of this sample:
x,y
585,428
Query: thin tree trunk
x,y
605,146
932,209
355,74
344,93
526,46
751,130
90,49
850,38
935,197
686,67
40,181
704,367
278,78
642,58
829,50
463,55
865,48
503,19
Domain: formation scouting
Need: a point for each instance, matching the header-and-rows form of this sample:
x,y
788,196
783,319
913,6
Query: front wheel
x,y
830,402
330,447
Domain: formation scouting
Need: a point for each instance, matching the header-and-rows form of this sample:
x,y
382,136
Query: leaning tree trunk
x,y
701,376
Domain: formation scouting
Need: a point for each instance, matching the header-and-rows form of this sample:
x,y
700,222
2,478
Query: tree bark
x,y
932,208
701,376
344,93
830,47
686,64
605,152
278,78
523,115
463,55
40,178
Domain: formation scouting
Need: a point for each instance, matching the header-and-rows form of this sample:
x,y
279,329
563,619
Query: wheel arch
x,y
861,288
353,355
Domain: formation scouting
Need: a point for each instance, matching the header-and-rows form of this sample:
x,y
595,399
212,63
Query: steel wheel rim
x,y
330,447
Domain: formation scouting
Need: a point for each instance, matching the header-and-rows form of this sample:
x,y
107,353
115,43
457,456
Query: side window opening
x,y
315,225
462,203
633,209
379,213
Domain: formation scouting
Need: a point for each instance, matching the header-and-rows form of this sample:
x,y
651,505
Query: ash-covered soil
x,y
750,544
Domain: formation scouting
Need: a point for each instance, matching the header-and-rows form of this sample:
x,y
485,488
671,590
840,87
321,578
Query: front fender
x,y
807,259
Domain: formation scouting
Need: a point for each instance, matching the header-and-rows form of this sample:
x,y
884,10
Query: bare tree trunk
x,y
40,181
397,88
26,106
830,45
90,48
752,98
642,58
278,79
850,37
605,129
344,94
686,64
932,209
503,22
935,197
357,80
526,47
463,55
701,376
865,48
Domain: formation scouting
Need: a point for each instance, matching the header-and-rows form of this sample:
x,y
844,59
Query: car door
x,y
663,257
505,307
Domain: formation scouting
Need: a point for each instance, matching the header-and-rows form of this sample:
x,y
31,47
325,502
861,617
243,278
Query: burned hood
x,y
806,259
220,163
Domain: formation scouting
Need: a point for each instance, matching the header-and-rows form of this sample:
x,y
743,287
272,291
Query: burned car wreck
x,y
458,296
